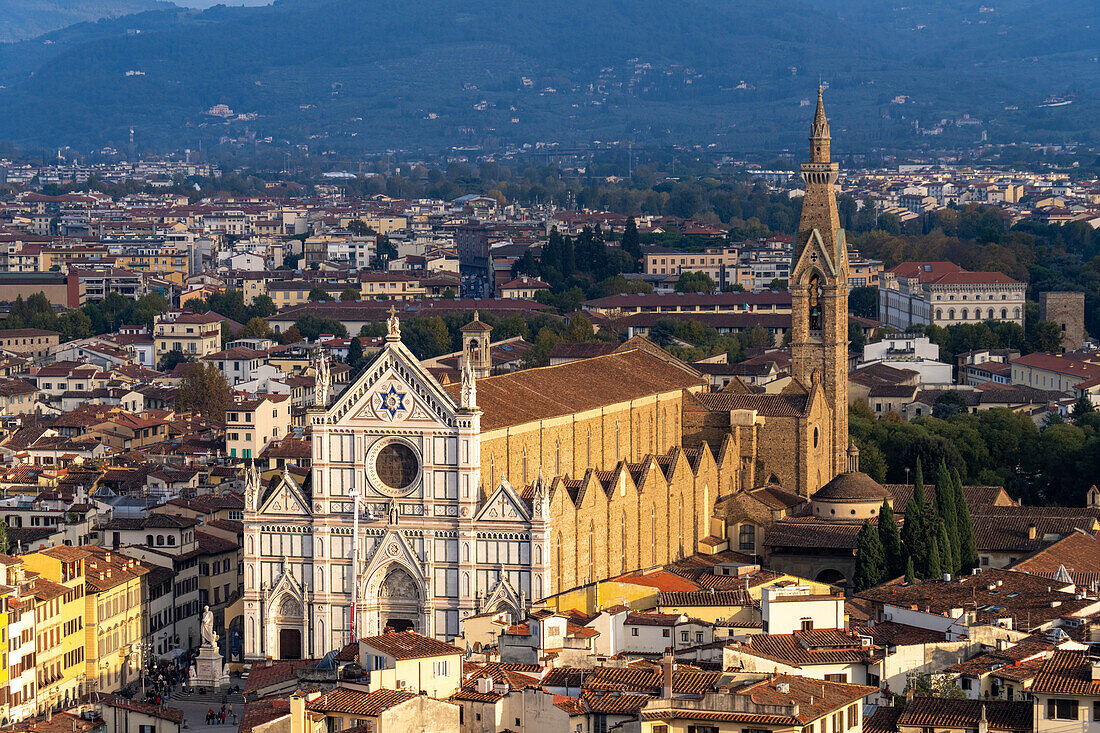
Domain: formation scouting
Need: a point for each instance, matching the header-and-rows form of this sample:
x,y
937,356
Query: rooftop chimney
x,y
1031,531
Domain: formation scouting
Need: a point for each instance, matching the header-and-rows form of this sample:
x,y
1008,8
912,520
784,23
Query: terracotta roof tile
x,y
941,712
528,395
410,645
358,703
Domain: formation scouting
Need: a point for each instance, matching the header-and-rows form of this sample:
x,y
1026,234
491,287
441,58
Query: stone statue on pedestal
x,y
209,636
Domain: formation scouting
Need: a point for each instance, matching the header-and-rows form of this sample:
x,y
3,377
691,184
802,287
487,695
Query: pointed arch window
x,y
653,535
622,541
815,292
591,553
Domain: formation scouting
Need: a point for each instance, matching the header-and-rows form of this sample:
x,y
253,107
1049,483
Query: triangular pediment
x,y
503,595
392,548
815,257
503,505
285,496
393,389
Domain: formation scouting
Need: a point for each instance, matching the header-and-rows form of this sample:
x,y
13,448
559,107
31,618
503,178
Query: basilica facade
x,y
426,503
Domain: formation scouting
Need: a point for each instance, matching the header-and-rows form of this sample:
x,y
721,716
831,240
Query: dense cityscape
x,y
548,387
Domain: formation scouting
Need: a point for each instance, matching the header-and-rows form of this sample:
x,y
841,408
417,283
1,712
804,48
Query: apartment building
x,y
171,262
944,294
113,617
1053,371
254,422
58,591
390,285
284,293
34,343
193,334
164,543
720,263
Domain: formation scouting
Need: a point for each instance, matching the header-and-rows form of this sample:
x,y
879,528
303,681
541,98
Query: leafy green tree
x,y
256,328
262,307
204,390
355,353
856,339
1083,406
910,575
349,294
426,337
695,282
5,543
870,559
948,404
890,539
756,337
74,324
863,301
310,326
1044,336
934,685
169,361
872,462
384,251
526,264
317,294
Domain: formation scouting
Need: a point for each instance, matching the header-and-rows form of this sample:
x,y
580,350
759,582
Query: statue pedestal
x,y
209,670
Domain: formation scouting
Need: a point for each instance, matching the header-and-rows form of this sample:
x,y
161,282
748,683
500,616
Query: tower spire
x,y
819,132
819,299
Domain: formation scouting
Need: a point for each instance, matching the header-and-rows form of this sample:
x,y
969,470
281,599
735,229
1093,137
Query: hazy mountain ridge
x,y
23,19
365,74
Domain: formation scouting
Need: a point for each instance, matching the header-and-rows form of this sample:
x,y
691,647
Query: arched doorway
x,y
290,643
831,576
394,601
287,619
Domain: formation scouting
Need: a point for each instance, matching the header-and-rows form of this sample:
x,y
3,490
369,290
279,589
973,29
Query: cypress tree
x,y
968,549
355,353
913,533
945,509
891,540
632,243
870,560
932,567
942,540
910,576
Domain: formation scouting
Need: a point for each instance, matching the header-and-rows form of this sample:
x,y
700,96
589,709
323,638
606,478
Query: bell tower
x,y
476,355
819,292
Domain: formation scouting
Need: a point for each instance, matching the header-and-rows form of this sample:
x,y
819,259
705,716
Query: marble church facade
x,y
495,491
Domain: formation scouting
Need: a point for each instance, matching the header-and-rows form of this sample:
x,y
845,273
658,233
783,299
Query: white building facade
x,y
433,545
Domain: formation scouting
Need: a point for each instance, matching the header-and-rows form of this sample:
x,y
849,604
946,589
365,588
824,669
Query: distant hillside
x,y
364,75
20,19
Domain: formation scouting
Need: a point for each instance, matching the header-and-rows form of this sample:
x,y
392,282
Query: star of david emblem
x,y
392,402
